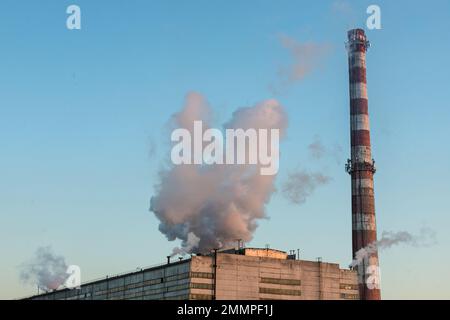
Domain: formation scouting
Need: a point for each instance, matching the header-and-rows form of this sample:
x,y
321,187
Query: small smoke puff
x,y
316,148
336,152
301,184
46,270
342,7
305,58
345,13
216,203
152,147
425,238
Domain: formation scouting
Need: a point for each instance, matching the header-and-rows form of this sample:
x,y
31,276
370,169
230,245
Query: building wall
x,y
252,278
239,277
166,282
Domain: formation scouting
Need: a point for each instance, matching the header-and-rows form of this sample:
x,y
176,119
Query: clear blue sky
x,y
79,111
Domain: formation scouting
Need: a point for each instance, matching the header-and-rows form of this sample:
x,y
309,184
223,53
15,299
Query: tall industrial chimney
x,y
361,167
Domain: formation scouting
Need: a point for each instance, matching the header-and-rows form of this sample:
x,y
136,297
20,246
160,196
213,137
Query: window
x,y
207,286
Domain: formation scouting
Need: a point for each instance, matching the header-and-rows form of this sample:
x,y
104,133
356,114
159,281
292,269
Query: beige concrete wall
x,y
252,277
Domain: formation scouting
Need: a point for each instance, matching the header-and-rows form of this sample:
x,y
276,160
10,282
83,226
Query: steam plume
x,y
46,270
426,237
301,184
215,204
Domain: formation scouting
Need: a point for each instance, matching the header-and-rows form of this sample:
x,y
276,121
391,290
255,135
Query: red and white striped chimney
x,y
361,167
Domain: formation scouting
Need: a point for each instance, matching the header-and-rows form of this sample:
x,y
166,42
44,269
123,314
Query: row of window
x,y
168,289
288,292
120,291
149,296
194,296
203,275
291,282
100,289
174,277
177,276
145,283
349,296
347,286
208,286
151,291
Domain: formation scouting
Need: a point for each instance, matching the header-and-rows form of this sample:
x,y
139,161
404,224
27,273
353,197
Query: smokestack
x,y
361,167
168,259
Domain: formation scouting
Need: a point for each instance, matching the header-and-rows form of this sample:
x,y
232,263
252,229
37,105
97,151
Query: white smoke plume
x,y
216,204
425,238
306,57
46,270
301,184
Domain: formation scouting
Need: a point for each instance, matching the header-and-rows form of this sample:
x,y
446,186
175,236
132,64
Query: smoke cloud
x,y
425,238
305,58
46,270
301,184
210,206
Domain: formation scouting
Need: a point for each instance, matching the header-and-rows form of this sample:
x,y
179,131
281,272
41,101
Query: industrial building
x,y
235,274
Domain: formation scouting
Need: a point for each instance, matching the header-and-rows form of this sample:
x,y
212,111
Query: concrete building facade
x,y
243,274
